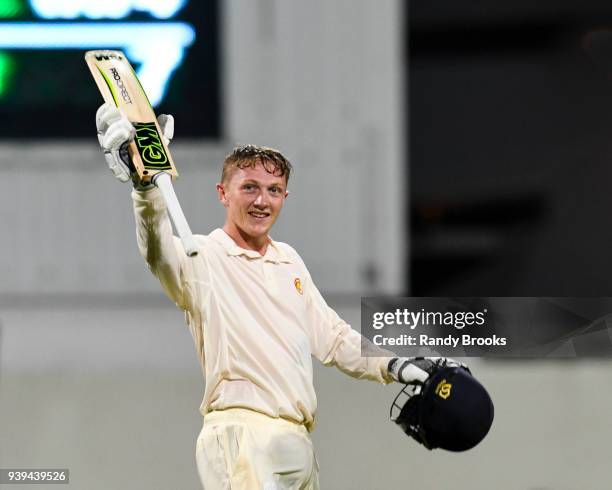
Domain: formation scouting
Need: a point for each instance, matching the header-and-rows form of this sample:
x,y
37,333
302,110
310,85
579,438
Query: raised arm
x,y
162,251
157,245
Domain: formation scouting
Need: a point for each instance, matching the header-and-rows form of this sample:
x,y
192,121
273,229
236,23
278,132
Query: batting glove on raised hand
x,y
115,133
418,369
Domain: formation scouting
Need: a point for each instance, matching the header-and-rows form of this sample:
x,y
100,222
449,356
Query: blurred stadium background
x,y
440,148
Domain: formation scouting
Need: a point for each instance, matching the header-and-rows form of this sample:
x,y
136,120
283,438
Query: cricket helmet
x,y
451,410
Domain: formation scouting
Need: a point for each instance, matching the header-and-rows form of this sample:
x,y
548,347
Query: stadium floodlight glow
x,y
159,48
104,9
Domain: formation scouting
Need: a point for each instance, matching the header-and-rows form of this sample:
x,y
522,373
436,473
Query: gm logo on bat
x,y
150,147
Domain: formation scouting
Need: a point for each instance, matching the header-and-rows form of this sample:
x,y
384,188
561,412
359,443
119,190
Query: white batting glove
x,y
419,369
448,362
115,133
166,124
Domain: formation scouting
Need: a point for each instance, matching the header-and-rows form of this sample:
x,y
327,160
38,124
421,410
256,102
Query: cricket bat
x,y
120,86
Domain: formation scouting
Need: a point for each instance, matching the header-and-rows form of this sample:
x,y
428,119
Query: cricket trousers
x,y
240,449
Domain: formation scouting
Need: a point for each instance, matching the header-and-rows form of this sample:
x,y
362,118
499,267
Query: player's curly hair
x,y
244,156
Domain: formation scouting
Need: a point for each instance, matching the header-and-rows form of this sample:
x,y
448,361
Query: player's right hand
x,y
114,134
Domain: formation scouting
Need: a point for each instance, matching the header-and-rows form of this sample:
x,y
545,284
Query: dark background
x,y
52,94
509,114
510,125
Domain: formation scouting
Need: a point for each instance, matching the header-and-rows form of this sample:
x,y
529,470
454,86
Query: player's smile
x,y
261,220
258,222
259,216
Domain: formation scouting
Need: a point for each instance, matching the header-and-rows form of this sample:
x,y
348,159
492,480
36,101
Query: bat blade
x,y
120,86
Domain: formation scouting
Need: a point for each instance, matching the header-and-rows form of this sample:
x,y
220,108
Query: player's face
x,y
253,199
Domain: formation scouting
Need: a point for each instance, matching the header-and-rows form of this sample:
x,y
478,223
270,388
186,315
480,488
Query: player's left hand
x,y
419,369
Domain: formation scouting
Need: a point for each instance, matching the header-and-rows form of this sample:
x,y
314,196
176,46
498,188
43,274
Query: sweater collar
x,y
274,253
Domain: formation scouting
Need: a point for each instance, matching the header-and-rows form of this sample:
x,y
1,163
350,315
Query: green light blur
x,y
11,8
7,69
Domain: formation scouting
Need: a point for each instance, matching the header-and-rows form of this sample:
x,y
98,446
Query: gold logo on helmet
x,y
443,390
298,285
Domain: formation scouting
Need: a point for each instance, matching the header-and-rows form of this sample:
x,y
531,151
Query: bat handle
x,y
164,182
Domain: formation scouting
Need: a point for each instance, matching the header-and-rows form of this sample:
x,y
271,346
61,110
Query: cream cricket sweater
x,y
256,320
